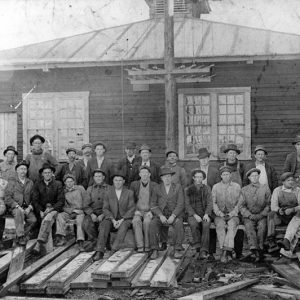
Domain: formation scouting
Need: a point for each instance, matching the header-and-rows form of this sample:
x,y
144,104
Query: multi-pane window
x,y
213,118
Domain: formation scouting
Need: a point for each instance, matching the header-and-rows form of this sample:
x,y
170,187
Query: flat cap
x,y
171,151
87,145
252,171
260,147
166,171
203,153
286,175
71,149
144,147
225,169
99,171
143,167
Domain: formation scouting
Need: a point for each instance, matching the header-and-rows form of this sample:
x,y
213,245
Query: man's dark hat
x,y
130,145
86,146
171,151
10,148
69,175
225,169
118,173
71,149
195,171
142,167
99,171
286,175
35,137
144,147
232,147
252,171
22,163
166,171
47,166
261,148
99,143
203,153
296,139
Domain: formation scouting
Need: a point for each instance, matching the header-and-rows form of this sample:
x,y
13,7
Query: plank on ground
x,y
223,290
33,298
267,288
289,271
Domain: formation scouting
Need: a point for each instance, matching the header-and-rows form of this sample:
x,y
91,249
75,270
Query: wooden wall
x,y
275,103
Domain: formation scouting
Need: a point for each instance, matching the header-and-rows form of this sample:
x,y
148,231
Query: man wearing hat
x,y
237,167
93,205
268,174
73,167
48,200
254,207
145,153
198,205
7,167
18,200
285,204
226,196
87,150
72,210
212,173
144,192
168,209
125,165
38,157
180,174
99,162
118,209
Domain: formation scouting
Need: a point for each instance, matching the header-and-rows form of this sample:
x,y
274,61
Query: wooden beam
x,y
267,288
177,80
289,271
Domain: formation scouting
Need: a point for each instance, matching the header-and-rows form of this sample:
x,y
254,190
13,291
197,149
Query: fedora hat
x,y
195,171
118,173
203,153
260,147
71,149
36,137
99,171
171,151
130,145
232,147
166,171
22,163
252,171
144,147
10,148
47,166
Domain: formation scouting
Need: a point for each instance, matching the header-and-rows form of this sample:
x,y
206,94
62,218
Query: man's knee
x,y
272,215
137,221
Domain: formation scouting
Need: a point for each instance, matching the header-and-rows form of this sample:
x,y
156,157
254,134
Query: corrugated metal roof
x,y
141,41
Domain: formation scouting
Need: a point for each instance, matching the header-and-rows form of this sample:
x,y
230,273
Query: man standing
x,y
144,192
145,152
198,204
7,167
125,165
93,205
18,200
118,209
268,174
99,162
254,207
168,209
48,200
73,167
72,210
87,150
226,196
180,174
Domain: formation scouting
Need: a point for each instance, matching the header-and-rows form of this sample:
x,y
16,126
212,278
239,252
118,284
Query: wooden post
x,y
170,86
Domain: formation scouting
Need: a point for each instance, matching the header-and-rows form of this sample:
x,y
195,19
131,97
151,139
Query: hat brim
x,y
19,165
252,171
167,173
204,155
266,152
51,168
144,149
167,153
37,137
6,150
236,150
98,171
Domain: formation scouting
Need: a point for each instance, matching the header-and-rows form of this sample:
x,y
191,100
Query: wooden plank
x,y
267,288
223,290
290,271
34,298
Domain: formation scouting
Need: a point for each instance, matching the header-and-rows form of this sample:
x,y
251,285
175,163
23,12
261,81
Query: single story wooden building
x,y
81,88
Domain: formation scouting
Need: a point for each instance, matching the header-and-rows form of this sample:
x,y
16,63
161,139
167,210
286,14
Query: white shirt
x,y
205,170
263,178
130,159
118,192
146,163
100,161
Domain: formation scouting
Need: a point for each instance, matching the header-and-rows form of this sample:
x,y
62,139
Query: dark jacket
x,y
198,201
290,163
106,166
213,176
271,174
114,208
135,187
52,194
126,167
154,167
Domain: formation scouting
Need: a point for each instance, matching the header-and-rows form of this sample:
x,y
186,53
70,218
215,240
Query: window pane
x,y
206,129
240,129
189,100
222,109
231,119
239,119
205,109
205,120
222,119
197,100
197,130
239,99
205,100
239,109
198,110
230,109
222,99
230,99
239,140
222,129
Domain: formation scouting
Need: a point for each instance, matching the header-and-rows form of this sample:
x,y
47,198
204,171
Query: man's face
x,y
99,150
71,156
69,183
297,146
145,175
118,182
99,177
37,144
10,155
87,151
260,156
145,155
22,171
204,161
226,176
254,177
231,155
47,174
172,158
167,179
289,183
130,152
198,178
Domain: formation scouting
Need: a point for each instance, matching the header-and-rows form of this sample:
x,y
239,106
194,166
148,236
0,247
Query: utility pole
x,y
170,85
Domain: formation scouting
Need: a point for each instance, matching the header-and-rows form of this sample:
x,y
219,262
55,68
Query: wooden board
x,y
267,288
290,271
223,290
33,298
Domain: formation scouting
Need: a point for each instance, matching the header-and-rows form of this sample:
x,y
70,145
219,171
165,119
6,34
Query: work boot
x,y
163,246
80,246
21,240
61,240
37,249
229,255
154,254
256,255
223,258
285,244
272,246
140,250
98,255
203,255
171,251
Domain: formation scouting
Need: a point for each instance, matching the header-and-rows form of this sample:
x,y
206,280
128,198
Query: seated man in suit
x,y
118,209
168,208
144,191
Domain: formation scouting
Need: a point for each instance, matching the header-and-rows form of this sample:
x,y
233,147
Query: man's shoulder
x,y
291,155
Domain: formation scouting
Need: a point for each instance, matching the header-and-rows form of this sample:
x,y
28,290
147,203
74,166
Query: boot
x,y
229,255
98,255
21,240
285,244
154,254
203,255
80,246
45,229
163,247
223,258
256,255
272,246
61,240
171,251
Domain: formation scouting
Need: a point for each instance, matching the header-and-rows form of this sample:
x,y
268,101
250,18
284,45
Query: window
x,y
213,118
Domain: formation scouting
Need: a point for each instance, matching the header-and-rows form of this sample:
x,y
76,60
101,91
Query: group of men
x,y
151,199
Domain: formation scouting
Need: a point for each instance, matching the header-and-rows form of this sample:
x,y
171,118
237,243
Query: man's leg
x,y
30,223
251,233
155,229
79,230
146,227
137,225
195,230
221,231
178,233
19,217
122,230
261,232
104,229
232,226
46,226
205,236
89,227
61,221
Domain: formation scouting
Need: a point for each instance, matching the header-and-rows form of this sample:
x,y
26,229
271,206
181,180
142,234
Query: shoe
x,y
256,255
203,255
147,250
98,255
223,258
154,254
61,241
171,251
272,246
285,244
22,241
80,246
178,254
140,250
229,255
163,246
210,257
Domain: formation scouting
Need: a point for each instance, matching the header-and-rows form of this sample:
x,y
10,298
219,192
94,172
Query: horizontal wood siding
x,y
275,103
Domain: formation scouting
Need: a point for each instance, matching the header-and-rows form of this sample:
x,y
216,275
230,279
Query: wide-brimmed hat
x,y
87,145
22,163
99,171
252,171
118,173
142,167
286,175
69,175
166,171
296,139
171,151
232,147
225,169
10,148
144,147
71,149
37,137
203,153
130,145
47,166
198,171
261,148
99,143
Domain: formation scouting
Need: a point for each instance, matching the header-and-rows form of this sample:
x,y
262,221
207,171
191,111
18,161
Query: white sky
x,y
30,21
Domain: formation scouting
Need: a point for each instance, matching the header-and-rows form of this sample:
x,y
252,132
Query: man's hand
x,y
206,218
149,215
281,211
171,219
48,209
73,216
115,223
94,218
119,223
198,218
100,218
27,210
227,218
289,211
163,219
42,214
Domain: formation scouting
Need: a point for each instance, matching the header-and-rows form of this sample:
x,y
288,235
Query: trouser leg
x,y
178,233
46,226
205,235
212,240
250,227
273,220
122,230
232,226
61,223
146,227
19,217
292,228
104,229
2,227
90,228
221,231
195,230
79,230
155,230
261,232
30,221
137,225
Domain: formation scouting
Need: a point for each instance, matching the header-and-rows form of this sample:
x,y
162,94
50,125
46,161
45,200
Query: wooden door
x,y
8,131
